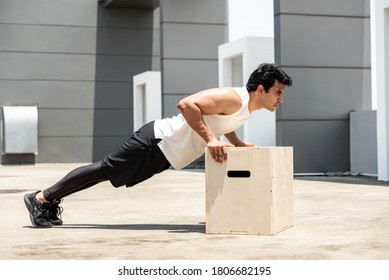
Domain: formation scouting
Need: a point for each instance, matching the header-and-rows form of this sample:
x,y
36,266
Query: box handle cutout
x,y
238,174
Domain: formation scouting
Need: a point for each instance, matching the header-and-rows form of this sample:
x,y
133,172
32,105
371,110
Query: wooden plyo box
x,y
251,192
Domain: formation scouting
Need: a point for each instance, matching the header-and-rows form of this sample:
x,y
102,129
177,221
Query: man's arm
x,y
234,139
210,102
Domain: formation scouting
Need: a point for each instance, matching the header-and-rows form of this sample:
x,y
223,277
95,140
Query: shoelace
x,y
59,211
56,213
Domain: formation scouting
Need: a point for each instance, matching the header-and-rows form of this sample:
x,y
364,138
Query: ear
x,y
261,89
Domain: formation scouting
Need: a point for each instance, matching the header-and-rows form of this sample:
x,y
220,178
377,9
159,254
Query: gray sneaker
x,y
39,212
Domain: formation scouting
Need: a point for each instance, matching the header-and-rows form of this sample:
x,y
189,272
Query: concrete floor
x,y
336,218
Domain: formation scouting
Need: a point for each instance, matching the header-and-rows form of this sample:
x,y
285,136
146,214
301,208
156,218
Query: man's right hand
x,y
217,149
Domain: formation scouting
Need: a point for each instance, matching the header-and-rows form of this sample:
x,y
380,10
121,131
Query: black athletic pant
x,y
77,180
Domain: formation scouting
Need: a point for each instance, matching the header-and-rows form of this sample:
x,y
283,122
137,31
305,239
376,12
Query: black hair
x,y
266,74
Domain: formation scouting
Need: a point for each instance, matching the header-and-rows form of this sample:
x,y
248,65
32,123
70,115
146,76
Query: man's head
x,y
266,74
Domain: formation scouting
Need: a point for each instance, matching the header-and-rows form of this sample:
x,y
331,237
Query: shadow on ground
x,y
172,228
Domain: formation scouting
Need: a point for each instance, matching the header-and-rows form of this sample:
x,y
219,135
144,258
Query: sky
x,y
250,18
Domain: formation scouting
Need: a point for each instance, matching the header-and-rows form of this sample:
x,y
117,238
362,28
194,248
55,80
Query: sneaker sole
x,y
56,224
28,204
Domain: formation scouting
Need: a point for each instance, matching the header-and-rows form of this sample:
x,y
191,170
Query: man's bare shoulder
x,y
226,93
230,100
211,101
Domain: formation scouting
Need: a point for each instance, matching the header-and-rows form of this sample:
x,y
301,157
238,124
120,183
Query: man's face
x,y
274,96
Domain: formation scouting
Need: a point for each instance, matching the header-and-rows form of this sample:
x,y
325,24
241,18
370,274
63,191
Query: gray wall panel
x,y
39,66
322,93
118,95
126,18
120,68
105,145
327,41
78,149
72,13
363,142
67,123
170,104
65,149
36,38
195,41
319,146
199,11
48,94
130,41
328,7
59,12
189,76
82,40
64,94
113,122
43,66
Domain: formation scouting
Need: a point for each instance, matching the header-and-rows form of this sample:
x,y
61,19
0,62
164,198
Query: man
x,y
175,141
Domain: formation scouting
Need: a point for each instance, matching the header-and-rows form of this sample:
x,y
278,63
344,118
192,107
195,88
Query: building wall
x,y
191,32
325,47
76,60
127,43
363,142
47,54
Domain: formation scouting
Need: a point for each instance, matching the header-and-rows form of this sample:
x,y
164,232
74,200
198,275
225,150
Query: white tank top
x,y
181,145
